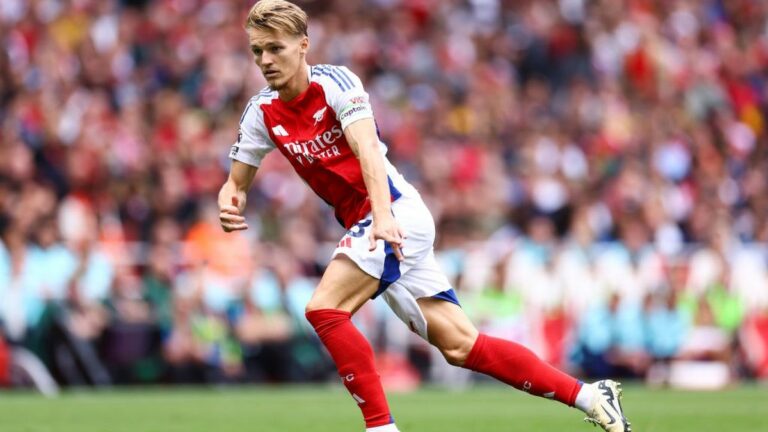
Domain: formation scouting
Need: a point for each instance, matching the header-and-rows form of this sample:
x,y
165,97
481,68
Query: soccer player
x,y
320,118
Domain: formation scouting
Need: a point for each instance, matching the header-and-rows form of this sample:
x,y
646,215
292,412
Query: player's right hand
x,y
230,217
387,229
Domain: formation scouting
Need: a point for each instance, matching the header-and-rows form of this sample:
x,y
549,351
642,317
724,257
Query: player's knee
x,y
318,302
310,307
457,351
314,305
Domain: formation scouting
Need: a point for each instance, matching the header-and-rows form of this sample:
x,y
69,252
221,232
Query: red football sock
x,y
517,366
354,359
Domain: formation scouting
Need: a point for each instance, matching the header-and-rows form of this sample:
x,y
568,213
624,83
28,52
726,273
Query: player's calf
x,y
354,360
519,367
451,331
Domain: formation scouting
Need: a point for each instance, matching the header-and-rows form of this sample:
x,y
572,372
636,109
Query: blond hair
x,y
277,15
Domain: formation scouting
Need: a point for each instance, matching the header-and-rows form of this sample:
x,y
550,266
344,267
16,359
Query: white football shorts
x,y
417,276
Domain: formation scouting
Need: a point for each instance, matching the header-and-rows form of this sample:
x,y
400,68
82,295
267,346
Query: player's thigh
x,y
424,279
344,286
448,328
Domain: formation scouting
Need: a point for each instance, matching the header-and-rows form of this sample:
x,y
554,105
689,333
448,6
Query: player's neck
x,y
297,85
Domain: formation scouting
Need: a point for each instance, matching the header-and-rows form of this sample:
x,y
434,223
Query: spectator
x,y
610,340
754,343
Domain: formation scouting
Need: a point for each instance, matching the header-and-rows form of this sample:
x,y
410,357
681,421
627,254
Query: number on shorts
x,y
360,231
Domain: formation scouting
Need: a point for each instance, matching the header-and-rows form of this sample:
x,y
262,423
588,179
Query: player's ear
x,y
304,45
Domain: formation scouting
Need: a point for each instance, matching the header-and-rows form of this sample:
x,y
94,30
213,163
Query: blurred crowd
x,y
598,170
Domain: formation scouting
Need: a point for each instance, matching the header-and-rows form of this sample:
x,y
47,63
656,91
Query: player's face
x,y
278,55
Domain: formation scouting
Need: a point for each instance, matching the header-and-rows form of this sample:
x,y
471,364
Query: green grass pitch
x,y
330,409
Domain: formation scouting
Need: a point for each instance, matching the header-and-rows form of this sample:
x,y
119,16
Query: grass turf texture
x,y
330,409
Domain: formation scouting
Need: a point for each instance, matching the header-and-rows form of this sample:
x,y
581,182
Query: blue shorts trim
x,y
394,193
391,270
449,296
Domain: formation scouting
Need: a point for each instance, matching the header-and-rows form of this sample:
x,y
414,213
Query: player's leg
x,y
449,329
424,300
343,289
355,275
344,286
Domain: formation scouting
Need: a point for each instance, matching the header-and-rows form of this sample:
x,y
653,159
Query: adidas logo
x,y
279,130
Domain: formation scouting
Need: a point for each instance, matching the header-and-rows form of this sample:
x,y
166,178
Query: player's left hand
x,y
387,229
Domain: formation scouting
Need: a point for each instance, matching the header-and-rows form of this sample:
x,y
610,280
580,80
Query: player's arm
x,y
364,142
233,194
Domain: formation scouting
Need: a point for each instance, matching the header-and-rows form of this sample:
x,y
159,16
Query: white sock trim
x,y
585,398
386,428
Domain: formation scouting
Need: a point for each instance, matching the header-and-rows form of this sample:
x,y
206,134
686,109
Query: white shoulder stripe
x,y
247,108
265,96
340,72
333,73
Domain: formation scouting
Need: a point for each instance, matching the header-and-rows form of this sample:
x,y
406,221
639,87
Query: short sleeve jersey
x,y
309,131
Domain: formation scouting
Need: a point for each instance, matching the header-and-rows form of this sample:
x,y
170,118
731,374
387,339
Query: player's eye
x,y
275,50
256,51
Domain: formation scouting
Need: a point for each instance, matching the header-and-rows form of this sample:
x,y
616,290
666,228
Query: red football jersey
x,y
309,131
